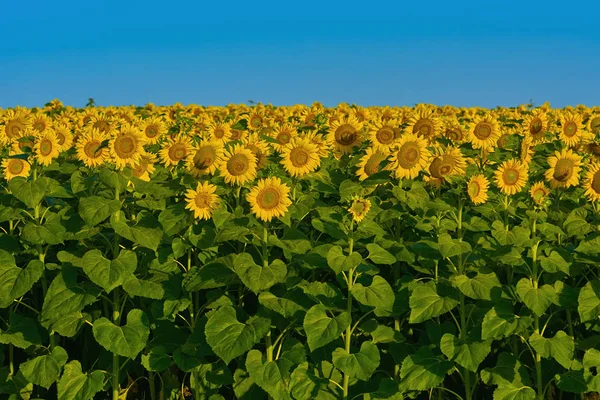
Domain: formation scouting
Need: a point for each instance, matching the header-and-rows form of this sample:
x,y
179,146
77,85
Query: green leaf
x,y
508,372
450,247
379,255
30,193
51,231
173,219
359,365
536,299
209,276
145,232
576,224
339,262
307,385
423,370
321,329
561,347
22,332
502,322
109,274
429,300
126,341
230,338
573,381
591,358
479,287
281,305
378,294
75,385
468,352
556,262
156,360
510,392
14,281
95,209
589,301
258,278
45,370
266,375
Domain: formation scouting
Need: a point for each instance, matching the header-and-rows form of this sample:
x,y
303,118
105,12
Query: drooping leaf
x,y
466,352
429,300
127,340
321,329
256,277
45,370
75,385
423,370
561,347
359,365
14,281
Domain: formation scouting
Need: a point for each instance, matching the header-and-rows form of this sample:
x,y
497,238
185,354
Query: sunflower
x,y
591,182
238,134
538,193
64,136
593,124
260,149
127,146
153,129
564,169
535,126
205,157
359,209
220,131
90,148
24,141
269,198
526,151
345,134
511,177
593,149
320,141
15,122
144,167
300,157
424,123
370,163
570,128
255,120
453,130
484,132
202,201
103,122
238,165
383,134
450,162
46,147
14,167
283,134
174,150
477,189
410,156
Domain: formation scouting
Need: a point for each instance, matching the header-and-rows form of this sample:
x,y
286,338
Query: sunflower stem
x,y
116,315
348,335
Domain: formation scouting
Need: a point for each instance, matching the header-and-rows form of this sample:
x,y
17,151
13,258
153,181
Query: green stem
x,y
151,385
463,310
116,366
11,361
348,335
536,319
269,350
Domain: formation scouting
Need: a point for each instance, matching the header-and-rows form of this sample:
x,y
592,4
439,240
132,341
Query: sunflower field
x,y
299,252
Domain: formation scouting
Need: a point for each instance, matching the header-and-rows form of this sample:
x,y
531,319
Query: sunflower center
x,y
102,126
474,189
125,146
219,133
372,165
268,198
423,127
483,130
151,131
385,135
454,134
535,126
16,166
202,200
510,176
177,152
538,195
570,129
60,138
238,164
92,149
345,135
595,149
235,134
284,137
39,126
204,157
596,182
408,155
255,122
140,169
358,208
13,129
45,147
595,125
299,157
563,170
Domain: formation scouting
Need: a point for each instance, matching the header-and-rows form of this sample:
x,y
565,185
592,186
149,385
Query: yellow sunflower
x,y
24,141
220,131
383,134
238,134
127,146
593,124
269,199
153,129
345,134
539,192
300,157
484,132
283,134
370,163
535,126
103,122
477,189
511,177
424,123
202,201
591,182
15,123
174,150
40,122
570,128
453,130
450,162
46,147
320,141
359,209
255,120
238,165
260,149
526,151
90,149
205,157
14,167
64,136
564,169
410,156
144,167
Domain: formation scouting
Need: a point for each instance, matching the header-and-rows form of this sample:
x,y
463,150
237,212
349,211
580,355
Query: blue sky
x,y
463,53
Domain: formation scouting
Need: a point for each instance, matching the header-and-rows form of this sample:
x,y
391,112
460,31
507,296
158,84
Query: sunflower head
x,y
202,201
126,146
477,189
238,165
300,157
359,209
14,167
592,182
410,156
345,134
564,167
205,158
269,199
484,132
511,177
539,192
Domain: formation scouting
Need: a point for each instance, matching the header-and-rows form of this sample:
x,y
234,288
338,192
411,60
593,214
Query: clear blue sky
x,y
463,53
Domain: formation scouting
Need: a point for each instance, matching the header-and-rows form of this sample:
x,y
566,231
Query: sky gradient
x,y
379,53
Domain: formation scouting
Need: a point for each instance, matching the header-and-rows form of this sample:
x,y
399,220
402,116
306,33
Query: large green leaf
x,y
479,287
338,261
45,370
589,301
50,231
379,255
429,300
127,340
22,332
561,347
467,352
109,274
536,299
14,281
510,392
378,294
145,231
267,375
95,209
258,278
75,385
501,321
508,372
450,247
321,329
423,370
30,193
230,338
173,219
359,365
